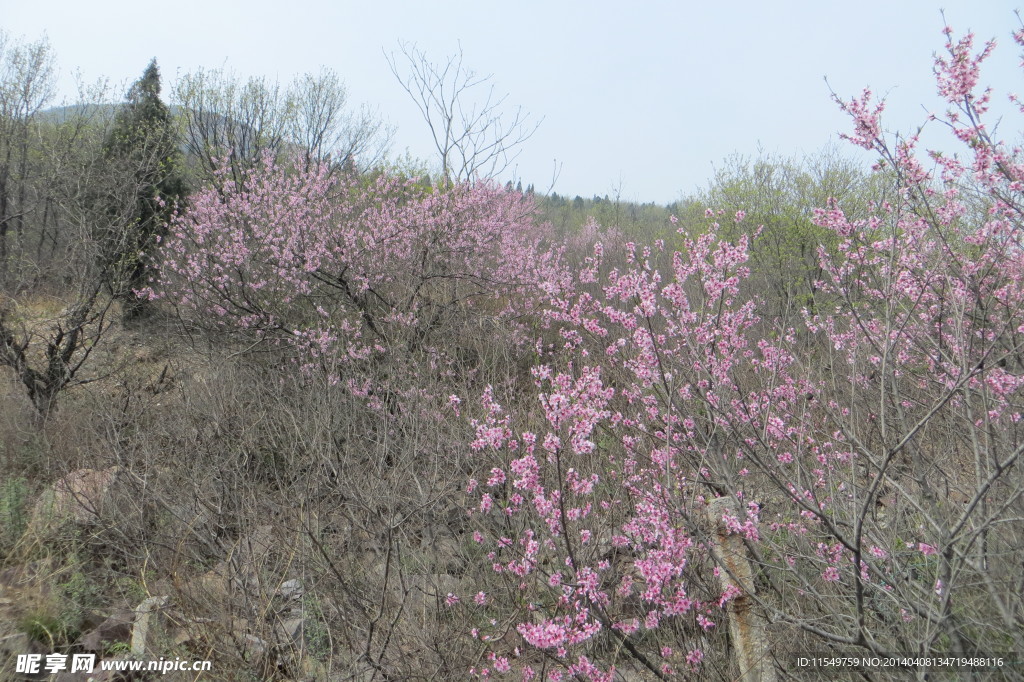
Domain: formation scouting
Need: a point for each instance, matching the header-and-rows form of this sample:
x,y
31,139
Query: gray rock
x,y
291,589
146,622
116,628
78,497
290,632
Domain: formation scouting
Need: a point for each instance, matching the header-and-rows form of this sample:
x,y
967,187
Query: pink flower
x,y
497,477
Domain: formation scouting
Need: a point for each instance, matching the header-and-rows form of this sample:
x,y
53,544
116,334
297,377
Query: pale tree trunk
x,y
746,625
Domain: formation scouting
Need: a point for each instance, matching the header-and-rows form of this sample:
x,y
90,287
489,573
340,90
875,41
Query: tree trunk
x,y
746,625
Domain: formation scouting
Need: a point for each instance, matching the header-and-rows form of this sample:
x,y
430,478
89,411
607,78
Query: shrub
x,y
872,473
339,269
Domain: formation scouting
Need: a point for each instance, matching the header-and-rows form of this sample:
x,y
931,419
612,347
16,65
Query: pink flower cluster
x,y
669,389
337,268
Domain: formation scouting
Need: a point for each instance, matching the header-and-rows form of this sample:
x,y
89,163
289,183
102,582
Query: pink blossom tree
x,y
869,459
338,269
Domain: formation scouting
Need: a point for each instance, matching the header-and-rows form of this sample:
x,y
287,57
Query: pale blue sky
x,y
642,96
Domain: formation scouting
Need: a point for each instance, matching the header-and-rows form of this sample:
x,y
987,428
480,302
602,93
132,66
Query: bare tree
x,y
473,138
26,86
66,341
91,197
318,122
225,118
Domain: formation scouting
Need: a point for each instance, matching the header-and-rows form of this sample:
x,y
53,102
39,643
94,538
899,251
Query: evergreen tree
x,y
143,146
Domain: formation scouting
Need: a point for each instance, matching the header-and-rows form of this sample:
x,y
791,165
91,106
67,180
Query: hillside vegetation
x,y
270,400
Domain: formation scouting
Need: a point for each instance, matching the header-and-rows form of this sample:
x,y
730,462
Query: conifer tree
x,y
143,145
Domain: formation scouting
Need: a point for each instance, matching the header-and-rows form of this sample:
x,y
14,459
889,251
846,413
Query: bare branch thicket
x,y
224,118
91,199
26,87
474,139
319,123
304,483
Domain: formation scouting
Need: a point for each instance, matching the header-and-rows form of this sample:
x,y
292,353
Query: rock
x,y
291,590
116,628
78,497
146,621
214,585
289,632
181,636
252,647
13,645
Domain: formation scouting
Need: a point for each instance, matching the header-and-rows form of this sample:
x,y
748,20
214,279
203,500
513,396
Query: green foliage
x,y
638,222
315,630
67,593
57,619
406,167
78,593
13,512
130,589
45,627
116,648
780,195
144,142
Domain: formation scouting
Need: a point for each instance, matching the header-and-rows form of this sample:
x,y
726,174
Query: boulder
x,y
116,628
291,590
146,624
78,497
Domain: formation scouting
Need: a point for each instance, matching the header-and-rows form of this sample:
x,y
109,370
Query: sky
x,y
641,100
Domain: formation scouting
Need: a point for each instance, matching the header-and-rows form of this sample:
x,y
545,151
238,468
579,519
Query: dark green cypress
x,y
143,147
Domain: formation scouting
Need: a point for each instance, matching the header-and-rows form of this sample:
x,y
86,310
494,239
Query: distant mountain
x,y
218,128
104,112
73,111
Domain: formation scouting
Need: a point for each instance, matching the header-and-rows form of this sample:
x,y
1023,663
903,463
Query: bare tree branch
x,y
474,139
